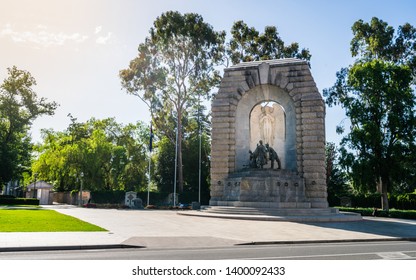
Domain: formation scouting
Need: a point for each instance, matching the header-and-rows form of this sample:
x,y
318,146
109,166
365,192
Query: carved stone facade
x,y
295,122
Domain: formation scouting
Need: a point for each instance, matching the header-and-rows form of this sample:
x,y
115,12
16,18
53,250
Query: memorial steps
x,y
274,214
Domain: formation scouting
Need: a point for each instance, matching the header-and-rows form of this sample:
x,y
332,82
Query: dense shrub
x,y
369,200
155,198
19,201
333,200
111,197
392,213
402,214
403,201
6,196
118,197
160,198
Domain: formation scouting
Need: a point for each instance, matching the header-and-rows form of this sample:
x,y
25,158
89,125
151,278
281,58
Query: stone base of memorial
x,y
263,188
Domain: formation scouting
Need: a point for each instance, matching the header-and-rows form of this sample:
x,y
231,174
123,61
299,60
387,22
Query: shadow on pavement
x,y
385,227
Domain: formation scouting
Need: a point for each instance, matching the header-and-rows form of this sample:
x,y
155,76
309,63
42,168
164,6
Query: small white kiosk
x,y
41,191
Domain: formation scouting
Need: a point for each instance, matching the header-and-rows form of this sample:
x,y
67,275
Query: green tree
x,y
174,67
248,44
109,155
191,178
165,166
197,162
135,139
196,124
336,178
19,107
377,95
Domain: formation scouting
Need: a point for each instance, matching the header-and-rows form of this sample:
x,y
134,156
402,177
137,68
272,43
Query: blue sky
x,y
76,48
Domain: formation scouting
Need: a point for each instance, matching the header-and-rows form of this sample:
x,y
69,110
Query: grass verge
x,y
41,220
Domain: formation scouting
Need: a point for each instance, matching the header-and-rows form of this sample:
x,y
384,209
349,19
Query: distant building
x,y
41,190
13,188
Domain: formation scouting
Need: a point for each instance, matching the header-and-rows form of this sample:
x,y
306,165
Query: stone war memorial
x,y
268,143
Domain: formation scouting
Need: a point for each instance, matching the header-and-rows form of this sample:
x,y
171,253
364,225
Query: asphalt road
x,y
393,250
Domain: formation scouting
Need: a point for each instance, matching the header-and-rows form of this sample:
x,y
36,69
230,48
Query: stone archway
x,y
289,83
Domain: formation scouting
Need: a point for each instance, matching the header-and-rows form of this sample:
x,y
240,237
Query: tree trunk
x,y
384,197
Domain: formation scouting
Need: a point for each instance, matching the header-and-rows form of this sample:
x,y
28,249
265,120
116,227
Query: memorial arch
x,y
295,123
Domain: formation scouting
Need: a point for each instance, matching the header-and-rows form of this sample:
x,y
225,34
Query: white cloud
x,y
41,26
6,31
102,40
98,29
41,36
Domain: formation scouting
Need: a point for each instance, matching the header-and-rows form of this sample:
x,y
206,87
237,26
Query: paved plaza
x,y
167,229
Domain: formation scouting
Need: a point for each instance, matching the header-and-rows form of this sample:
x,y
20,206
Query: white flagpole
x,y
199,161
148,185
176,164
150,152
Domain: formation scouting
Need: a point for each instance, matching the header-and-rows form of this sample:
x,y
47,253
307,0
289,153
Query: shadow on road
x,y
385,227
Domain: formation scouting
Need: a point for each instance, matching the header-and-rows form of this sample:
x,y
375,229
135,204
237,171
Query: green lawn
x,y
41,220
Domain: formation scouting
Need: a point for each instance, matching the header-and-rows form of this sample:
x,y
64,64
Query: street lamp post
x,y
80,190
34,186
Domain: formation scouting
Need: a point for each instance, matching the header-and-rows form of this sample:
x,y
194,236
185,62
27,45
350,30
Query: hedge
x,y
156,198
392,213
6,196
403,201
102,197
19,201
118,197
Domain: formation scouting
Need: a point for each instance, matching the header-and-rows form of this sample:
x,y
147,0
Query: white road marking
x,y
393,255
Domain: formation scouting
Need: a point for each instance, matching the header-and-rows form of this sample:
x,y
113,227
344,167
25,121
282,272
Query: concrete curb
x,y
68,247
329,241
254,243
